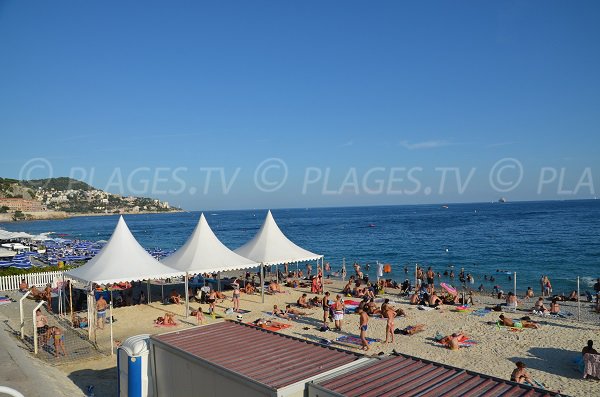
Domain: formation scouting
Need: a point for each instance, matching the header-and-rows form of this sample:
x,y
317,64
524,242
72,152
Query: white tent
x,y
203,252
271,247
122,259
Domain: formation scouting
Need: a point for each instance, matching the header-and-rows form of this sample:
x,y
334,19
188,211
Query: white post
x,y
110,306
187,296
35,335
416,271
22,315
578,302
262,284
515,283
343,269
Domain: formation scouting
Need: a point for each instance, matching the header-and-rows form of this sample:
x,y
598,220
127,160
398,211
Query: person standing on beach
x,y
41,324
389,327
236,295
430,276
338,312
101,306
364,320
543,283
326,313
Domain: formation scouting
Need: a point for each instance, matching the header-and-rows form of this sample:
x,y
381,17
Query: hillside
x,y
74,196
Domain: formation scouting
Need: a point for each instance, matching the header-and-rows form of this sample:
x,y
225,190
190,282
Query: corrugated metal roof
x,y
273,359
409,376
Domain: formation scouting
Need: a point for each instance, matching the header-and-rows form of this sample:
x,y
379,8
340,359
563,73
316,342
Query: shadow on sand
x,y
103,381
552,361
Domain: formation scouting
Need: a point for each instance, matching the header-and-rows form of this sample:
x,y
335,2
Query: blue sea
x,y
560,239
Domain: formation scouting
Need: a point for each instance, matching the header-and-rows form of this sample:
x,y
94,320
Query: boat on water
x,y
444,206
502,200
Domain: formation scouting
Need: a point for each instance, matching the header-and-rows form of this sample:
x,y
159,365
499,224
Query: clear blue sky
x,y
142,97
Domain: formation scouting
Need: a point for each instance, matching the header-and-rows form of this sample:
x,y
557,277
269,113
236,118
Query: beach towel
x,y
4,301
273,326
355,340
512,329
426,308
217,315
242,311
349,302
481,312
463,341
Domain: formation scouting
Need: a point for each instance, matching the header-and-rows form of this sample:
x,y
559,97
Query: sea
x,y
560,239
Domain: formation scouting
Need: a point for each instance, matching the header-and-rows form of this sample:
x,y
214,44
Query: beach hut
x,y
203,252
271,247
235,359
403,375
121,259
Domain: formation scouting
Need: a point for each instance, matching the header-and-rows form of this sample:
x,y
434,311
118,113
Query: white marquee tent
x,y
122,259
203,252
271,247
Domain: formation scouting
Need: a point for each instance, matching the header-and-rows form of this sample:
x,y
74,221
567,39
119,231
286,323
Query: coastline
x,y
57,215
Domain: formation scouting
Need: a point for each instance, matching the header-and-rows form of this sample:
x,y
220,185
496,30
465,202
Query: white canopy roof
x,y
6,235
271,247
122,259
204,253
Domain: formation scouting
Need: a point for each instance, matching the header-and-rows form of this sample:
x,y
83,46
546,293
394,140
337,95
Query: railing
x,y
11,283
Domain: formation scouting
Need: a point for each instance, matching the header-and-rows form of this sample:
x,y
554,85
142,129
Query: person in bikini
x,y
280,313
212,298
338,312
289,310
390,314
363,326
539,306
507,322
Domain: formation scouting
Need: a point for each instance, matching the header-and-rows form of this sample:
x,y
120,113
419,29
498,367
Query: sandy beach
x,y
548,351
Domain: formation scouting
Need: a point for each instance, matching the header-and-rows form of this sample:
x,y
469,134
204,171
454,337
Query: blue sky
x,y
338,101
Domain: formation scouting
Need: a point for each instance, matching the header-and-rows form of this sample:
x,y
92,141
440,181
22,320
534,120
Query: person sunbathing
x,y
274,287
371,308
539,306
289,310
511,300
414,299
280,313
413,329
249,289
573,296
507,322
316,301
302,302
520,375
168,319
452,342
175,297
434,300
554,307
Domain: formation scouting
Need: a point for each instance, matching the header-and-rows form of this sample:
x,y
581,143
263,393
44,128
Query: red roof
x,y
408,376
273,359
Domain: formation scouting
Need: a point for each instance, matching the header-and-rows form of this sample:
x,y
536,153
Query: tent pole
x,y
187,296
578,302
71,302
110,307
515,283
149,299
343,269
262,283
